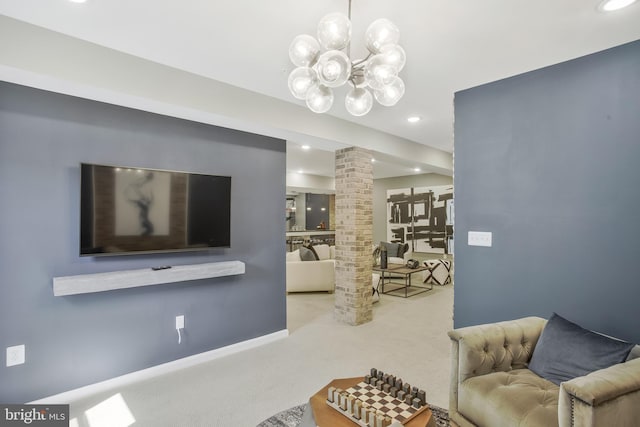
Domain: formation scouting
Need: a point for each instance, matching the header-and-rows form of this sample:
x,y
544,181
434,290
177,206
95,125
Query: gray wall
x,y
548,162
78,340
380,187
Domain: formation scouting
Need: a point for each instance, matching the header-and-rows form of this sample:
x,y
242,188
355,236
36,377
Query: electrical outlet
x,y
180,322
479,238
15,355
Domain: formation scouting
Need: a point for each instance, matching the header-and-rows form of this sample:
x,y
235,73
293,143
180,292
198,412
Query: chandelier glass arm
x,y
361,63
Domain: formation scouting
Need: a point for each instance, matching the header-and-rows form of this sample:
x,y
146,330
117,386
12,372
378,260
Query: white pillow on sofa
x,y
322,251
293,256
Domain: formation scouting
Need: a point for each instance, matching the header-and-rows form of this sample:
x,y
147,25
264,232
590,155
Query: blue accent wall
x,y
548,161
78,340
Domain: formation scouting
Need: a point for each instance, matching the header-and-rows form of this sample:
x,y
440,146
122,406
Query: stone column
x,y
354,234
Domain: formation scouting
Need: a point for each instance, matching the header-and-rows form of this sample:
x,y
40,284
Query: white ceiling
x,y
451,45
321,162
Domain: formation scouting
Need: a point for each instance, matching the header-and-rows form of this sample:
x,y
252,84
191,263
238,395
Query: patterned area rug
x,y
289,418
293,417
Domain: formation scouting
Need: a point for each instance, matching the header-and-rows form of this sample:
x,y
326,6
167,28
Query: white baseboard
x,y
144,374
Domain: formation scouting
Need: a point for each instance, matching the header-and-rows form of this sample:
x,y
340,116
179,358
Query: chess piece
x,y
422,396
357,407
343,401
330,394
350,402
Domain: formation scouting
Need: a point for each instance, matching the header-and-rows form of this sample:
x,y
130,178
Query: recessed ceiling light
x,y
78,1
306,147
414,119
417,169
611,5
300,171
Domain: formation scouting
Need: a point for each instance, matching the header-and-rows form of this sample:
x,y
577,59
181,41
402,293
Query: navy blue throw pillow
x,y
566,350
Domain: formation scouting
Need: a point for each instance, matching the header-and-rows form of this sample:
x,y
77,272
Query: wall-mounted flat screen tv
x,y
126,210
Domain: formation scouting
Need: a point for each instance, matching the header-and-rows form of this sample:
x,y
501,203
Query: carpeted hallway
x,y
407,338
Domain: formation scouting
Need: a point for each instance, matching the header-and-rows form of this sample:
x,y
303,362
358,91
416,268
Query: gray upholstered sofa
x,y
492,386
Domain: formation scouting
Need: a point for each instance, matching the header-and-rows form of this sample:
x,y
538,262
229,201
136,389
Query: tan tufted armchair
x,y
492,387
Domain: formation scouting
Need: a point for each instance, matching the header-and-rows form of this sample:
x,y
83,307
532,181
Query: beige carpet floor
x,y
407,338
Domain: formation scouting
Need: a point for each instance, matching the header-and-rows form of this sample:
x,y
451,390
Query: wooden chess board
x,y
327,415
368,405
396,409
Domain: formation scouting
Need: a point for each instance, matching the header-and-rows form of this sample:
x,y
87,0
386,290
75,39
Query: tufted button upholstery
x,y
499,347
492,387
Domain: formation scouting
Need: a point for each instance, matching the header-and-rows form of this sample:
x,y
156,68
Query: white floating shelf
x,y
99,282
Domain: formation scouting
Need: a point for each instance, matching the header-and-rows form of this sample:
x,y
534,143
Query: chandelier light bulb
x,y
334,31
334,68
378,73
381,32
301,80
319,99
390,94
358,101
394,55
304,50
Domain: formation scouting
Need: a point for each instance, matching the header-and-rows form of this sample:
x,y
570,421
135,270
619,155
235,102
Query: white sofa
x,y
319,276
312,276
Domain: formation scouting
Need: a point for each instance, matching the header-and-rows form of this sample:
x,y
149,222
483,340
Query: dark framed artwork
x,y
422,217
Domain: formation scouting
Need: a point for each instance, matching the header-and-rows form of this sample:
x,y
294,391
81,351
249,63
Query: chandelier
x,y
323,65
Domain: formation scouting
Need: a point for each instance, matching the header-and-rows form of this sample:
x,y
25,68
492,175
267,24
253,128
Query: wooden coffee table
x,y
326,416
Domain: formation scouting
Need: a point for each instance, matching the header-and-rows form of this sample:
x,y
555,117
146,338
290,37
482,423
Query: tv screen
x,y
127,210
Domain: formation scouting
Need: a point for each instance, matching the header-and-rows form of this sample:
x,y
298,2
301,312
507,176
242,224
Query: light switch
x,y
479,238
15,355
